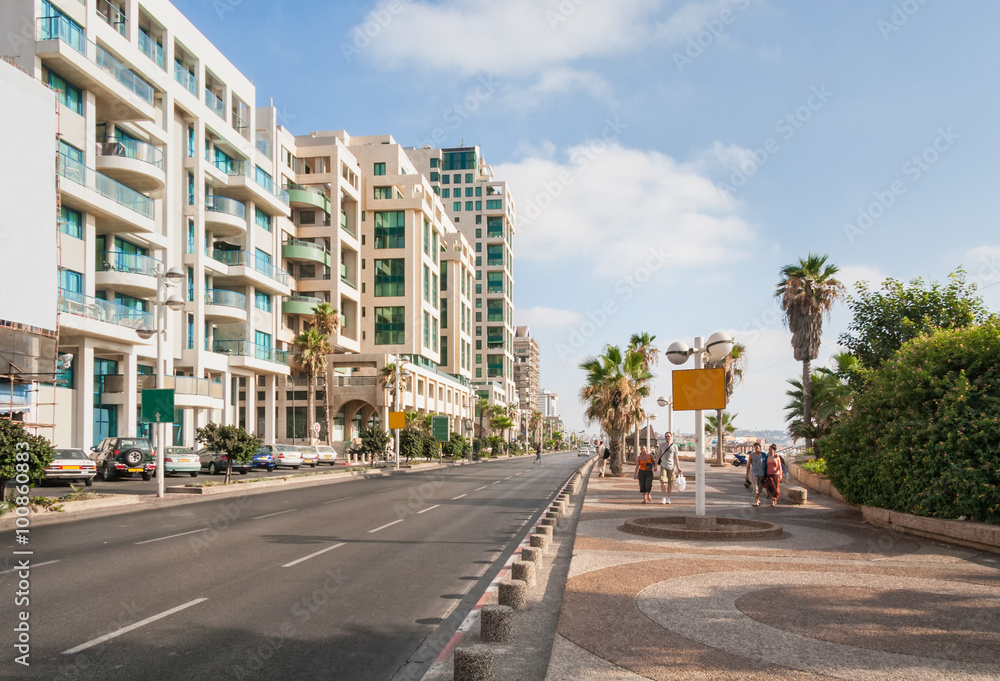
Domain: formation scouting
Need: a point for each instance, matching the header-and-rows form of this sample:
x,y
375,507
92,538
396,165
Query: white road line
x,y
508,477
150,541
333,501
459,497
497,482
394,522
428,509
479,488
313,555
32,566
125,630
271,515
384,489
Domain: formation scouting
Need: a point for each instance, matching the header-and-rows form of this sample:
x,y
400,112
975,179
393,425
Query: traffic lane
x,y
364,619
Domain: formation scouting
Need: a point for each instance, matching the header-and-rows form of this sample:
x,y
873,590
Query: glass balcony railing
x,y
241,348
59,28
239,124
221,204
242,167
80,305
125,147
151,49
182,385
77,172
247,259
263,145
114,16
185,78
132,263
215,104
218,296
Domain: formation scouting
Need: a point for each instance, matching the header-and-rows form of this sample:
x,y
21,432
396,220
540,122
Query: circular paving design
x,y
907,638
684,527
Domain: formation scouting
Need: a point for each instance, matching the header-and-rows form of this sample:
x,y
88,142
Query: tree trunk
x,y
720,433
617,444
311,408
807,398
229,467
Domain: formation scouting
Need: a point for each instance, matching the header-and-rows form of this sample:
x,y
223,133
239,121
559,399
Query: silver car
x,y
71,464
287,456
325,454
310,457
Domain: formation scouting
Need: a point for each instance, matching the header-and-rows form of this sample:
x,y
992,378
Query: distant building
x,y
548,403
527,368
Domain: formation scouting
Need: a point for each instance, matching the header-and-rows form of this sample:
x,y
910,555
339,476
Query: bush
x,y
374,442
411,444
21,453
431,448
923,437
817,466
457,447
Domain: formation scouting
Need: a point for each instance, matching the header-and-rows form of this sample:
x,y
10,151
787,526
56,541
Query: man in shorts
x,y
756,470
605,454
670,466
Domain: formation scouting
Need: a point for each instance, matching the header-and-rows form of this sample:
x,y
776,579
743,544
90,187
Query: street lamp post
x,y
165,278
664,402
398,375
718,346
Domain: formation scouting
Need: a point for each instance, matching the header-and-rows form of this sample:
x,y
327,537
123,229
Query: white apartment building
x,y
548,404
164,162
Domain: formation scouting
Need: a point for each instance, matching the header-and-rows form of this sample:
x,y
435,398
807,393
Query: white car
x,y
325,454
71,464
586,450
285,455
309,455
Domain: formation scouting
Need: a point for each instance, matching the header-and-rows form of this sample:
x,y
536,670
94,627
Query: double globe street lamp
x,y
718,347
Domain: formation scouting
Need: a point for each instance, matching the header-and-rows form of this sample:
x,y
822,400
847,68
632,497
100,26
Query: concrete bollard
x,y
552,516
547,522
523,571
474,663
539,541
547,530
559,508
496,623
533,554
513,592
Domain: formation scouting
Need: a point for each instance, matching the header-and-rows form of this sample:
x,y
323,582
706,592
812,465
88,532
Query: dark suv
x,y
124,456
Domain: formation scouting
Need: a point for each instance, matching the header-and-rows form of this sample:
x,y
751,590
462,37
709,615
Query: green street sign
x,y
440,428
157,406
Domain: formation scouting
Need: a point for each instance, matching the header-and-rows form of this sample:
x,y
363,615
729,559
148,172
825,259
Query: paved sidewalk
x,y
834,598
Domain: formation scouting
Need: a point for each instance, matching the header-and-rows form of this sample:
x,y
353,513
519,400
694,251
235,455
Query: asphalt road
x,y
358,580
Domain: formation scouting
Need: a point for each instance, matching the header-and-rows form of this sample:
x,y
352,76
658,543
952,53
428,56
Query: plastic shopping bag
x,y
681,483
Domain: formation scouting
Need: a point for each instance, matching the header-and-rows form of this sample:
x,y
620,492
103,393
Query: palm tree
x,y
643,344
617,383
502,423
735,364
326,320
311,349
482,405
536,424
831,400
807,292
712,424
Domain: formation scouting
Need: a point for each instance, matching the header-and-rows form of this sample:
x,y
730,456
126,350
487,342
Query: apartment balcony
x,y
186,78
136,164
151,49
88,65
246,267
260,358
128,273
305,250
300,304
101,318
226,217
189,392
119,208
245,184
225,306
305,196
215,103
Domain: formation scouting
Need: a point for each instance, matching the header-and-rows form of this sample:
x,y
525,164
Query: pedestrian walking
x,y
774,468
605,454
756,470
538,453
670,467
644,466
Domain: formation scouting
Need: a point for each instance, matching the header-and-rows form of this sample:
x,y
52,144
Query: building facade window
x,y
262,219
262,301
390,275
71,222
390,231
69,95
494,204
383,192
390,325
378,169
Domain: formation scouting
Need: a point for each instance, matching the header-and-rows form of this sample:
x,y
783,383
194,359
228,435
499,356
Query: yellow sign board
x,y
397,420
699,389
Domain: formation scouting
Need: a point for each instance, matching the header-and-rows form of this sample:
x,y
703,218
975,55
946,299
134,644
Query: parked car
x,y
217,462
263,459
285,455
71,464
325,454
310,457
181,460
123,456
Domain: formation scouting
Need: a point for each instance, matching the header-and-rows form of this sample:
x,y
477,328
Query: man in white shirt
x,y
604,454
670,466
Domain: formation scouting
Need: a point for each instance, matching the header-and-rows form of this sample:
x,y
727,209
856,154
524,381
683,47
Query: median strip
x,y
271,515
150,541
394,522
313,555
131,627
428,509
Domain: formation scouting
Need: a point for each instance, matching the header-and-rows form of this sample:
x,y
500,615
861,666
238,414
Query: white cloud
x,y
546,317
616,208
850,275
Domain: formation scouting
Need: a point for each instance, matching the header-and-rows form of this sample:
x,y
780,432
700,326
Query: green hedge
x,y
923,436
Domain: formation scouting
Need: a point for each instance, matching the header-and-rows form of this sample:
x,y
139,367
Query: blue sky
x,y
668,158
